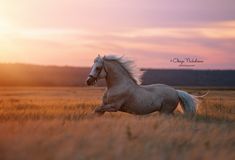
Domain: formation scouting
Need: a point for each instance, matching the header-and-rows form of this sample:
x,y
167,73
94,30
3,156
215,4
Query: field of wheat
x,y
58,123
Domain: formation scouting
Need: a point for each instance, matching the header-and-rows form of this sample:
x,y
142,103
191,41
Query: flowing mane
x,y
134,73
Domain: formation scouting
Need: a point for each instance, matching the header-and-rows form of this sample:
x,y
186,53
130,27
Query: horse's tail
x,y
188,102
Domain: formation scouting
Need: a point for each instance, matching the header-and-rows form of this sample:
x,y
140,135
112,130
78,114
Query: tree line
x,y
35,75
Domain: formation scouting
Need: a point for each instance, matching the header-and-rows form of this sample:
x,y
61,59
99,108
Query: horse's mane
x,y
129,66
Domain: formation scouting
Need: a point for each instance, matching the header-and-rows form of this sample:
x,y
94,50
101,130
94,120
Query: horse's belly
x,y
142,106
138,111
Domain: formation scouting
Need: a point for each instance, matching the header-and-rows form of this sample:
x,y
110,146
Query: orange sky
x,y
60,32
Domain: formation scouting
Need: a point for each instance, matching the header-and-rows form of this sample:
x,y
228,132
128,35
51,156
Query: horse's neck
x,y
117,75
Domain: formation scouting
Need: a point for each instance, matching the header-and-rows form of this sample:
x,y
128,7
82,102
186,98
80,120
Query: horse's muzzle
x,y
91,81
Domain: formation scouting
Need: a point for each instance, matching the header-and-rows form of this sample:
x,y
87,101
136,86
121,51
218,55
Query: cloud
x,y
155,46
115,14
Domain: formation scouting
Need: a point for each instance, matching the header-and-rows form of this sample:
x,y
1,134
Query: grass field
x,y
58,123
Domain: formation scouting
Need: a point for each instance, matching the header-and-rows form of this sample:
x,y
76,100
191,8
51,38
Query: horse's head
x,y
97,71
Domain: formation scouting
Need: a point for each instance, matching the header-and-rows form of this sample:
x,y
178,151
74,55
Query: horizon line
x,y
141,68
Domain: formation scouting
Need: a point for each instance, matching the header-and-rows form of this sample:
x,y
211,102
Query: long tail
x,y
188,102
202,96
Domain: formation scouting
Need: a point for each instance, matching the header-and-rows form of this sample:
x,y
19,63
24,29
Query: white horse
x,y
124,92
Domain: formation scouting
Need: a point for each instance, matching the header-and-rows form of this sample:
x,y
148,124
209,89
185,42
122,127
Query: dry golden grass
x,y
58,123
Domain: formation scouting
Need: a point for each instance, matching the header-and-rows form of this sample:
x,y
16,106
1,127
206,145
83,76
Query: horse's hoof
x,y
99,113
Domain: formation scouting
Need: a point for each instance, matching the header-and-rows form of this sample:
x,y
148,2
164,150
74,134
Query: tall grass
x,y
58,123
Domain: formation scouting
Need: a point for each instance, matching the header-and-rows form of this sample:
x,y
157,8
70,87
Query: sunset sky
x,y
151,32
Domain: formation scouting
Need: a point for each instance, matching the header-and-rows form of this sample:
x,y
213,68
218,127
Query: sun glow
x,y
5,26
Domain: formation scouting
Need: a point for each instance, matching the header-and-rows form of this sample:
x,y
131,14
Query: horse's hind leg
x,y
168,107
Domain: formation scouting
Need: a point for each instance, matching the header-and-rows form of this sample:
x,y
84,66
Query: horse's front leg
x,y
113,105
109,108
99,110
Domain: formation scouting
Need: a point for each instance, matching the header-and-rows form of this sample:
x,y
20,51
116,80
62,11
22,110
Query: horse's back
x,y
160,89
